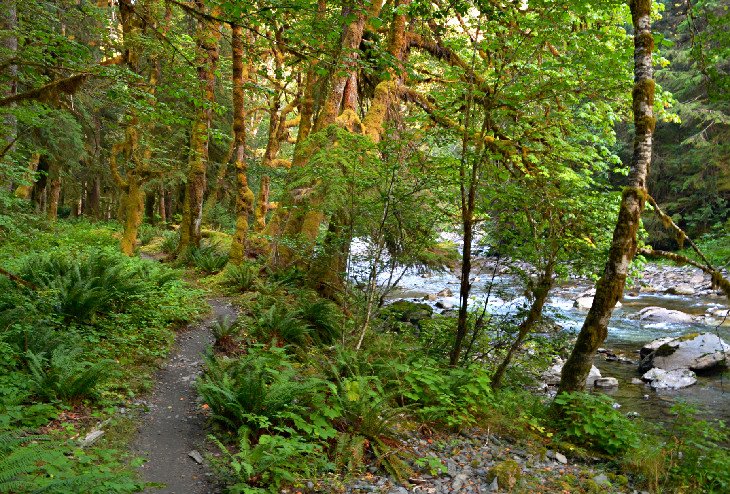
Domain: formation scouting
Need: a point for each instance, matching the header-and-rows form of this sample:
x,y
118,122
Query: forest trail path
x,y
174,426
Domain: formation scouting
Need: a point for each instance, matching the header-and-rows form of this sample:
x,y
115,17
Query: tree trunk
x,y
133,209
208,35
54,194
623,246
149,207
162,205
262,204
9,23
92,199
533,316
244,195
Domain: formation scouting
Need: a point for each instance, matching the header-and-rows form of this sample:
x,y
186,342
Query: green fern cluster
x,y
89,283
254,390
208,258
35,464
241,277
64,375
313,321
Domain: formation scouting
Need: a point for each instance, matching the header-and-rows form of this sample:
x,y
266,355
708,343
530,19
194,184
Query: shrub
x,y
591,420
224,332
701,460
456,397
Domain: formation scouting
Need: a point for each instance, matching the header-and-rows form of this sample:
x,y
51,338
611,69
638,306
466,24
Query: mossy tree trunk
x,y
54,192
207,37
623,246
244,195
540,293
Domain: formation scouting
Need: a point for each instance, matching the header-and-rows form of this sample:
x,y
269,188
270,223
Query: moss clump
x,y
646,40
665,350
507,473
687,337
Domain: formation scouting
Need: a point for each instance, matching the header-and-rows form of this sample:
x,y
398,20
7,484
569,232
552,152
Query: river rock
x,y
674,379
696,351
407,311
660,314
446,292
551,376
681,289
606,382
585,303
650,347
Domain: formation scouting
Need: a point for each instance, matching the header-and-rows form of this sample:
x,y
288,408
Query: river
x,y
626,335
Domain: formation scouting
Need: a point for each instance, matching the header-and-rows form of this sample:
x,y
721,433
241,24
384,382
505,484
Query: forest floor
x,y
172,431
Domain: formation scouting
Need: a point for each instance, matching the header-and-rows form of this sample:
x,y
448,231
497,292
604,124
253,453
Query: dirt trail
x,y
173,426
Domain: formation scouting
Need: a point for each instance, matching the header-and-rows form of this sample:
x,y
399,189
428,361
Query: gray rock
x,y
561,458
682,289
552,375
197,457
636,380
673,379
585,302
494,486
443,304
606,382
91,437
398,490
662,315
601,479
446,292
652,346
459,481
701,351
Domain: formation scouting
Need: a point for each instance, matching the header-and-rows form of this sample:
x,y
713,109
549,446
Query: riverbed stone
x,y
662,315
585,303
446,292
606,382
673,379
652,346
551,376
681,289
695,351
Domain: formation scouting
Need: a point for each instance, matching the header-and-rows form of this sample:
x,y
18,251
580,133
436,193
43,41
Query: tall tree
x,y
624,244
207,36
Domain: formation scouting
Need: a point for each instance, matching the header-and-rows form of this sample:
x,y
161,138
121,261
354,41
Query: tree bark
x,y
208,35
54,193
623,246
533,316
244,195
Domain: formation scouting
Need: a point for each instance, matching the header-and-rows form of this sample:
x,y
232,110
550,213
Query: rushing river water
x,y
626,334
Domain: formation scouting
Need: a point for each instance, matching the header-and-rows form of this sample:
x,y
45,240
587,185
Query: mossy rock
x,y
507,473
407,311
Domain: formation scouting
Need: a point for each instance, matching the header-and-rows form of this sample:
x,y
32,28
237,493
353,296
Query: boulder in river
x,y
584,303
407,311
681,289
650,347
696,351
606,382
660,314
673,379
446,292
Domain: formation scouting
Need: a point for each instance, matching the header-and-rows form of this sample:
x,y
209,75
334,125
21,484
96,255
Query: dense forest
x,y
364,246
